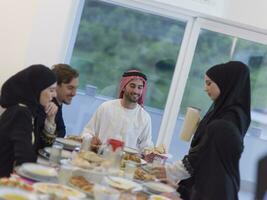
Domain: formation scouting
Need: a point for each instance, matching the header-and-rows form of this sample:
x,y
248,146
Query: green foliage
x,y
113,39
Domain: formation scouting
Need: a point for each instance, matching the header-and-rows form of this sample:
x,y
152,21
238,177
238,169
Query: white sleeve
x,y
89,129
92,127
145,139
176,171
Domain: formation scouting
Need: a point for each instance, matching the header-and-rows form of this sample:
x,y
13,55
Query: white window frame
x,y
187,50
184,62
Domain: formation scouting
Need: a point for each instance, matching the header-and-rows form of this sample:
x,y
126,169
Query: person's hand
x,y
51,111
95,143
169,182
159,172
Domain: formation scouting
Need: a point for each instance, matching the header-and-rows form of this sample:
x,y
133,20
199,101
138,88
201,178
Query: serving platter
x,y
14,194
36,172
157,187
122,183
68,143
58,189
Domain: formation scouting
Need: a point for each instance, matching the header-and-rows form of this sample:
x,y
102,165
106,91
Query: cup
x,y
86,143
192,118
64,174
129,170
55,154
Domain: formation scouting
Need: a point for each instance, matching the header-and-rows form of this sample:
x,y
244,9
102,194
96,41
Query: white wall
x,y
34,31
38,31
248,12
16,23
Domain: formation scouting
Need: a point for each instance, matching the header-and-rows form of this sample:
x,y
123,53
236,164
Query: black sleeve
x,y
44,138
60,129
22,136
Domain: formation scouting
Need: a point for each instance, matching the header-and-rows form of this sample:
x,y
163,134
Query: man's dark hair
x,y
64,73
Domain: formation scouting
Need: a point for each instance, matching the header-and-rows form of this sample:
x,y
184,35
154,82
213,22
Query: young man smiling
x,y
123,118
50,120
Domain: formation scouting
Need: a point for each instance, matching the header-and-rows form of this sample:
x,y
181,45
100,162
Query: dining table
x,y
140,192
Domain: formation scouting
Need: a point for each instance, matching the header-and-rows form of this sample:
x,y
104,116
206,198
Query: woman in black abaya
x,y
21,95
210,171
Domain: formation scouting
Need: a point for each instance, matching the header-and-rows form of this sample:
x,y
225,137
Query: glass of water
x,y
55,154
130,168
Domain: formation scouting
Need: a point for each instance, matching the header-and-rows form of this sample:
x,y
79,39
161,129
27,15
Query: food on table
x,y
122,183
157,187
158,197
81,183
15,182
88,160
38,170
80,162
142,175
13,197
132,157
75,138
58,190
10,193
161,149
155,153
91,157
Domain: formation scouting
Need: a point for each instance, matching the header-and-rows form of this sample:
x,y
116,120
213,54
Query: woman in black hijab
x,y
210,171
20,95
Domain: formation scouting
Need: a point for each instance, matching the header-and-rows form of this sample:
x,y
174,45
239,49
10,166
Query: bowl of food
x,y
158,154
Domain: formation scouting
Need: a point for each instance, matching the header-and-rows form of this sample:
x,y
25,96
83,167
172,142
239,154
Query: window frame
x,y
194,23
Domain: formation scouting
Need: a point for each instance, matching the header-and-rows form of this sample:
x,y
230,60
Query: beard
x,y
133,98
67,101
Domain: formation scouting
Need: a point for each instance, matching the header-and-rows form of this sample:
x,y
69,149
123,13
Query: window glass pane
x,y
214,48
112,39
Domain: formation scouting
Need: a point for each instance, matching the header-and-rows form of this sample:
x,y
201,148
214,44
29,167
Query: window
x,y
112,39
212,48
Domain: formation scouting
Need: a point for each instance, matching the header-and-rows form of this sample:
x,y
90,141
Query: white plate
x,y
158,197
13,193
157,187
64,153
68,143
58,189
122,183
20,172
39,171
130,150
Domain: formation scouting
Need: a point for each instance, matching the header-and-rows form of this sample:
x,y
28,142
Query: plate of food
x,y
37,172
143,175
75,138
157,187
15,182
68,143
122,183
16,194
58,190
82,184
158,197
130,150
64,153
